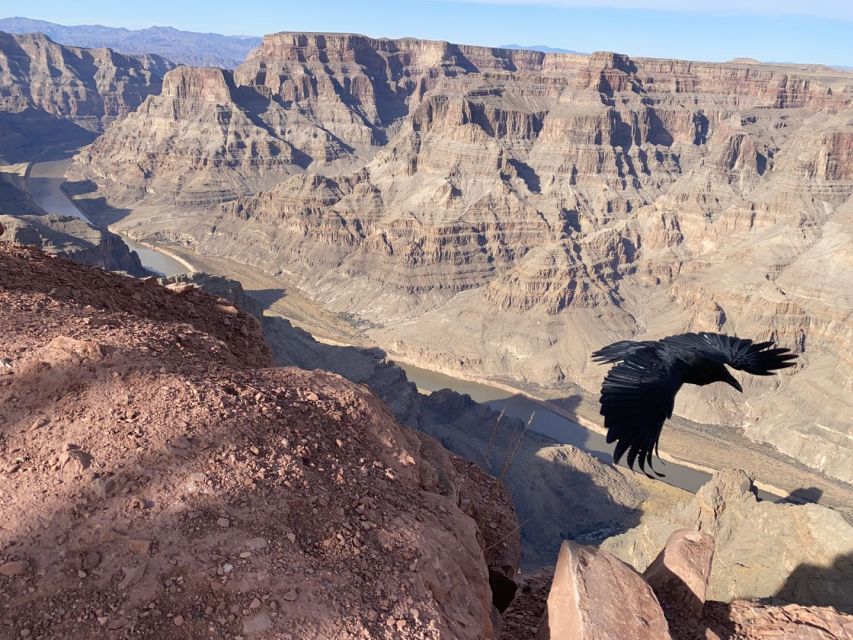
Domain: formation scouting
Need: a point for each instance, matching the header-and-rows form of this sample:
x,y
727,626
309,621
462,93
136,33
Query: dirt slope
x,y
157,481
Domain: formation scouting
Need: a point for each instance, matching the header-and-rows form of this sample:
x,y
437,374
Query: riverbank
x,y
44,179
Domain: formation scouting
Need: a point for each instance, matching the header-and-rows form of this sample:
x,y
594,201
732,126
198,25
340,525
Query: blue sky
x,y
818,31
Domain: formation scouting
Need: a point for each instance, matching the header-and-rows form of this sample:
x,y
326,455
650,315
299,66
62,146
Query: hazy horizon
x,y
810,33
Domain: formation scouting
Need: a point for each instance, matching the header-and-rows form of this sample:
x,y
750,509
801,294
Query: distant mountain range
x,y
182,47
530,47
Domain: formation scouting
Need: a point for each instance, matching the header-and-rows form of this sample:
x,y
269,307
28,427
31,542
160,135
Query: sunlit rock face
x,y
505,212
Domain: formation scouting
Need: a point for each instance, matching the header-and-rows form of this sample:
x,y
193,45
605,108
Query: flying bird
x,y
638,394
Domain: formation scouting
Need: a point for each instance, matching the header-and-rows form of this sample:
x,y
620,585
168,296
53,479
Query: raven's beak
x,y
730,379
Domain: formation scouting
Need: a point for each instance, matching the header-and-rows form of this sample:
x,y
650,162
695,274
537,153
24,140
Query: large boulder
x,y
595,596
679,575
799,553
590,594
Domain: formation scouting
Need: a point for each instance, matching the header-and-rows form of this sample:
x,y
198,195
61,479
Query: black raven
x,y
638,394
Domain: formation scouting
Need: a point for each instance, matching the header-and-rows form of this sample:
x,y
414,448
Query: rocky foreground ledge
x,y
592,594
159,480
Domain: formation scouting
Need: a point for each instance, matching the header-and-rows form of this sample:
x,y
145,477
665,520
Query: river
x,y
45,180
553,425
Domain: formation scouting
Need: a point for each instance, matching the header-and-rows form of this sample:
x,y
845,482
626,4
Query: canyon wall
x,y
50,92
503,213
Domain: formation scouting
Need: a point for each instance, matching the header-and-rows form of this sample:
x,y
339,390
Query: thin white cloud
x,y
839,9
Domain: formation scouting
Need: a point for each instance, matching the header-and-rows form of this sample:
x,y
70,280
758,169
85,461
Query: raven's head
x,y
728,378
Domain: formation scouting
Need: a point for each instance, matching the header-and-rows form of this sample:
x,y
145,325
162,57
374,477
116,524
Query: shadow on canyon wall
x,y
19,144
96,208
804,495
267,297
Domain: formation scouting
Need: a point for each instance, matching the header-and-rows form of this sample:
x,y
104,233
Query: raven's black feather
x,y
638,393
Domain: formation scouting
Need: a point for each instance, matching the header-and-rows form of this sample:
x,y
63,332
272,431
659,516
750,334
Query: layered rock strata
x,y
51,93
504,212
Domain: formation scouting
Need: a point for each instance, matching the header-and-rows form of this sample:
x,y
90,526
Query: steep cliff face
x,y
504,212
193,144
50,89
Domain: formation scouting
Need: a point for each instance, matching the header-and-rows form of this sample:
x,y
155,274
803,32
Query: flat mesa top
x,y
805,69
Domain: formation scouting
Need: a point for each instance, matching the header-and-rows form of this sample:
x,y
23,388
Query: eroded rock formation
x,y
591,594
53,92
799,553
504,212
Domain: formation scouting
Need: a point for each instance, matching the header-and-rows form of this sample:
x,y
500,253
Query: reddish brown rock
x,y
595,596
13,568
353,520
679,576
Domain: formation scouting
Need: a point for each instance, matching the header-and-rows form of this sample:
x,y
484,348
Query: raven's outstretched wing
x,y
755,358
618,351
637,397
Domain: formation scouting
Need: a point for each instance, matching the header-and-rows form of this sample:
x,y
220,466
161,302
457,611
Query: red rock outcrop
x,y
622,604
595,596
160,480
679,577
763,549
752,621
